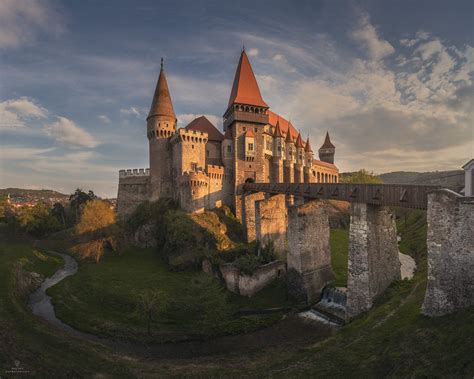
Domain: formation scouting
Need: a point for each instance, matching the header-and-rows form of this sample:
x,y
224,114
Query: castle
x,y
202,168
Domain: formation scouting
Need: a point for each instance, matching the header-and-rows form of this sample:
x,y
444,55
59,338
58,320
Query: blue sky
x,y
392,81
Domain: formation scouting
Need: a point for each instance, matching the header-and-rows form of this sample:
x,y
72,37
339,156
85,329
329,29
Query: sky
x,y
392,81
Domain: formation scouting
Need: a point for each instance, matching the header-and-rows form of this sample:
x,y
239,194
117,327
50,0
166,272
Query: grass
x,y
102,299
40,349
339,240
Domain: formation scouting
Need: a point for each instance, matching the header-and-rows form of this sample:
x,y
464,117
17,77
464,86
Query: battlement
x,y
195,179
193,136
134,172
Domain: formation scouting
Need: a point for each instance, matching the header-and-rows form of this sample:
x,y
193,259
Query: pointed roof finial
x,y
162,63
243,48
327,142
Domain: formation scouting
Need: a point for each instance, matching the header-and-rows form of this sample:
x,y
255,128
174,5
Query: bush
x,y
38,220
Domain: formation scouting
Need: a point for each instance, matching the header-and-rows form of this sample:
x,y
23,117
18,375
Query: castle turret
x,y
278,153
309,176
327,150
300,159
290,148
161,125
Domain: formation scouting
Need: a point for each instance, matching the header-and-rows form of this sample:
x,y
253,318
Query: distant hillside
x,y
31,193
449,179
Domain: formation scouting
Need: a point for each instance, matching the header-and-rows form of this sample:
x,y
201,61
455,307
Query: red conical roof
x,y
289,138
278,133
245,88
307,147
202,124
161,104
299,141
327,143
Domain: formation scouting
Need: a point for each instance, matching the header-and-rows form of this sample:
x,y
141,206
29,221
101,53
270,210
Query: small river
x,y
286,332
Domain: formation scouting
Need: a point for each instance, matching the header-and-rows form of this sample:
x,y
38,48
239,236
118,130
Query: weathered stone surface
x,y
248,285
450,244
248,214
373,255
271,222
145,236
132,191
309,253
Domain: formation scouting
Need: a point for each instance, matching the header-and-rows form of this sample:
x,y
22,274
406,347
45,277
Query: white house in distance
x,y
469,178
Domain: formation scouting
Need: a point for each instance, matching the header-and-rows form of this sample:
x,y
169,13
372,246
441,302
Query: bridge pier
x,y
450,243
373,255
309,253
248,213
271,222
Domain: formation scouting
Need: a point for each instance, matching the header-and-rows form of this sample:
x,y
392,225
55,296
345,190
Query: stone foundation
x,y
271,222
248,285
309,253
248,214
373,255
450,244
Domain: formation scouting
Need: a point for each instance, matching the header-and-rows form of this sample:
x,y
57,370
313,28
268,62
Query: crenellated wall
x,y
133,189
450,243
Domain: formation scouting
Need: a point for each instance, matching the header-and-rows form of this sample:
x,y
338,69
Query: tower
x,y
161,125
300,160
327,150
308,153
246,116
289,173
278,153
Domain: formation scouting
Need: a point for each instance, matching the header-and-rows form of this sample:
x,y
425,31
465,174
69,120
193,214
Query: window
x,y
250,147
255,130
192,146
244,129
207,153
229,149
194,166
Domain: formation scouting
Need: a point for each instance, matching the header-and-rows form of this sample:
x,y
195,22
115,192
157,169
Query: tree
x,y
78,199
361,177
38,220
58,212
95,228
151,302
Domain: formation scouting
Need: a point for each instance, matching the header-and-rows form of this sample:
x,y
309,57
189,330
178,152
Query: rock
x,y
145,236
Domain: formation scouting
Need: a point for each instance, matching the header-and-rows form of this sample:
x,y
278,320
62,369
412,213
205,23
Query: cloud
x,y
15,113
21,21
104,118
133,111
67,132
367,35
185,119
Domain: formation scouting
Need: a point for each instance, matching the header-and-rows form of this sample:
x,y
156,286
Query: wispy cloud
x,y
67,132
15,113
21,21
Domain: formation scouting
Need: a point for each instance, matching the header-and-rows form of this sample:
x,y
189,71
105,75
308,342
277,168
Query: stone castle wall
x,y
450,244
133,189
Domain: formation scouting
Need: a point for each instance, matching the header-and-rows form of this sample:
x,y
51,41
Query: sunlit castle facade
x,y
203,168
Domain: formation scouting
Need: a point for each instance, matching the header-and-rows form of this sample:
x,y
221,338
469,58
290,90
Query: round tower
x,y
161,125
327,150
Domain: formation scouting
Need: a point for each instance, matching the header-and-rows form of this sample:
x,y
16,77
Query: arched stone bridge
x,y
292,216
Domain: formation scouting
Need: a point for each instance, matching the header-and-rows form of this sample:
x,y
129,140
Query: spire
x,y
289,138
327,143
245,88
278,133
161,104
299,141
307,147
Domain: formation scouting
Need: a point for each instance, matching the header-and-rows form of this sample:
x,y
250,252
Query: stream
x,y
288,331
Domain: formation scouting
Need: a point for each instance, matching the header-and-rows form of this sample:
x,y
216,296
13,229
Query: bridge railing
x,y
399,195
